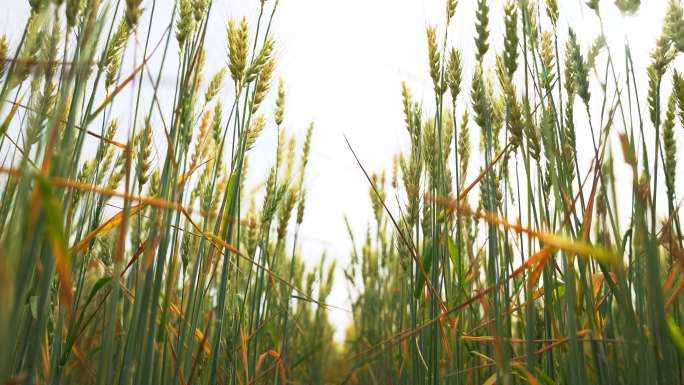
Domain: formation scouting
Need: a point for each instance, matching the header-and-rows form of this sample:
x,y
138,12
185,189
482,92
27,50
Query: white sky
x,y
343,62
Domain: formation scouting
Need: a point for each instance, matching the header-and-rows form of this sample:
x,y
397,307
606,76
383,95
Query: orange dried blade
x,y
588,213
674,296
671,277
105,227
279,361
445,337
598,284
8,119
184,178
543,257
243,348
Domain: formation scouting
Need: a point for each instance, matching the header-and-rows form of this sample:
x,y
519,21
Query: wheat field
x,y
526,231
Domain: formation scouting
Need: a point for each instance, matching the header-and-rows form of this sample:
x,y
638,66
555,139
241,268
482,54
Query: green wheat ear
x,y
215,85
552,11
112,61
263,84
511,37
670,145
133,12
280,103
144,153
451,9
238,40
464,148
185,23
4,48
513,113
434,59
481,28
580,76
628,6
453,78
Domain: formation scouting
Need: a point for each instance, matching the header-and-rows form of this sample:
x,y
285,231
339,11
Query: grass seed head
x,y
289,166
144,153
238,40
305,155
678,89
464,147
581,75
74,9
214,85
112,59
406,100
4,50
482,29
255,130
532,136
434,59
263,84
280,103
185,23
260,61
453,74
552,11
670,144
628,6
301,207
451,9
200,9
547,54
511,37
133,12
286,211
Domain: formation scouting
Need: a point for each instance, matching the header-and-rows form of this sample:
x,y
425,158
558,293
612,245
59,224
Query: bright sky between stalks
x,y
343,62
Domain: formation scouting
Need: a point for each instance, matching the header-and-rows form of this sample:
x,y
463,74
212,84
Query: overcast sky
x,y
343,62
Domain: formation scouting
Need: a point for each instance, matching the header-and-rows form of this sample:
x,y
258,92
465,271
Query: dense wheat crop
x,y
542,267
530,233
132,251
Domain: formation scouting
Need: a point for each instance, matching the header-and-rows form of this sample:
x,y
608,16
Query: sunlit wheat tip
x,y
255,130
482,29
581,75
74,8
451,8
670,144
280,103
511,37
301,204
263,84
434,59
238,39
306,150
4,48
133,12
597,46
628,6
200,8
260,61
453,74
552,11
406,101
214,85
286,211
185,23
112,60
